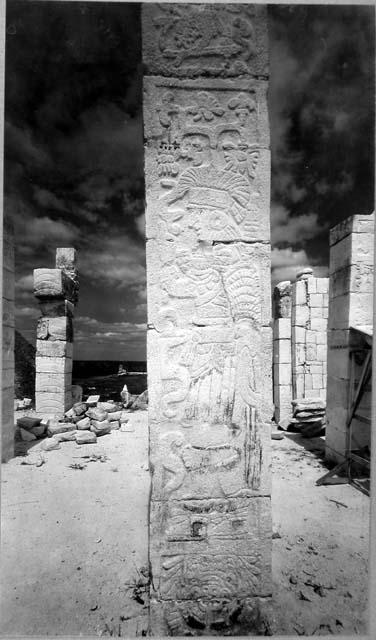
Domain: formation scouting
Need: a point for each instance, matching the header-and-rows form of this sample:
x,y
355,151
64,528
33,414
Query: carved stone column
x,y
207,171
56,290
282,375
7,364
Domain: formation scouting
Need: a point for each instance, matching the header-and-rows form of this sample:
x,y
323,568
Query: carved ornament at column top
x,y
213,40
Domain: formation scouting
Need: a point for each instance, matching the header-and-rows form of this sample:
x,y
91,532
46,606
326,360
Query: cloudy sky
x,y
74,150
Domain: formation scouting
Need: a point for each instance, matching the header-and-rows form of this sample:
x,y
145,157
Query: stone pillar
x,y
309,335
282,374
207,172
7,405
56,290
350,305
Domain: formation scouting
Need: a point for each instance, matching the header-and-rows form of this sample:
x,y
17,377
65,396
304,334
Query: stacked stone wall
x,y
282,372
309,336
56,290
350,305
7,406
207,173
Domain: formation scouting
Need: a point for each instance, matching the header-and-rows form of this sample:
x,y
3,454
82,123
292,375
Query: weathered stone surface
x,y
141,402
353,224
66,258
60,427
53,283
66,437
96,413
114,415
50,444
92,401
27,435
52,403
55,329
207,174
83,424
114,425
53,365
54,348
100,428
85,437
79,408
56,308
211,616
38,431
282,300
52,382
313,403
77,392
107,407
184,40
28,422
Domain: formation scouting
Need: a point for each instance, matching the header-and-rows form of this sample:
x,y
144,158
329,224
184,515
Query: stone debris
x,y
83,424
308,417
22,404
100,428
60,427
124,394
92,401
85,437
79,408
50,444
26,436
28,422
96,413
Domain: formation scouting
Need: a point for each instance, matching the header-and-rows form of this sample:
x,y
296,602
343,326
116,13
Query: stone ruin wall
x,y
299,341
309,321
7,403
207,172
350,305
56,291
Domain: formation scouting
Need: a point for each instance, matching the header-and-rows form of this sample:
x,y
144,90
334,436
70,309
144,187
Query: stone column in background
x,y
7,406
350,305
207,172
56,290
309,335
282,374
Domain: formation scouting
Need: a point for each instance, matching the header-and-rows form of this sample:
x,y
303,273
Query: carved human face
x,y
196,149
228,145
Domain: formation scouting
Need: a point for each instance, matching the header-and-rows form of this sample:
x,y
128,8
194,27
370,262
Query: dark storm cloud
x,y
74,149
322,114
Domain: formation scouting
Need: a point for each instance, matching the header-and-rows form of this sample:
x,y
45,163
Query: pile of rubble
x,y
308,417
84,422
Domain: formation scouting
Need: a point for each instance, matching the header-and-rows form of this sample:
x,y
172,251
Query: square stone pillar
x,y
309,335
207,173
56,290
7,369
282,374
350,305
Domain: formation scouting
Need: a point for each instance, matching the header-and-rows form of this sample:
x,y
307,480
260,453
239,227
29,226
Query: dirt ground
x,y
74,541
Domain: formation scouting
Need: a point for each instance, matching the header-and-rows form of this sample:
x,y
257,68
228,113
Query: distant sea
x,y
101,377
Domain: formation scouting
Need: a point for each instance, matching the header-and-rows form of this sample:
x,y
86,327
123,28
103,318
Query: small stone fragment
x,y
114,425
85,437
92,401
70,413
67,436
106,406
39,431
124,394
114,415
141,401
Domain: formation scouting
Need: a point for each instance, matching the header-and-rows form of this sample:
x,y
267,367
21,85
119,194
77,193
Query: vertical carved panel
x,y
207,166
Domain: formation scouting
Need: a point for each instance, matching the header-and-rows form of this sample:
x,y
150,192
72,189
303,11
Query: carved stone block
x,y
211,616
56,308
52,382
55,329
205,164
53,403
188,40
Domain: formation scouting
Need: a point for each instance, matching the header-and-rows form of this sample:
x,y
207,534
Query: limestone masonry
x,y
56,290
207,173
350,305
7,365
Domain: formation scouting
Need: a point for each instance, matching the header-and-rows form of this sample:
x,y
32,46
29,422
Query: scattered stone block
x,y
100,428
83,424
60,427
28,422
92,401
50,444
114,415
67,436
86,437
114,425
39,431
70,413
97,413
124,394
108,407
79,408
141,401
27,435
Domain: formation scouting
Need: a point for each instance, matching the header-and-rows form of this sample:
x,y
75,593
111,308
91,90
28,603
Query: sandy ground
x,y
74,542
